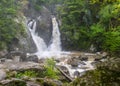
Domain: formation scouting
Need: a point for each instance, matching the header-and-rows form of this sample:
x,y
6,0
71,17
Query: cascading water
x,y
54,48
40,44
56,43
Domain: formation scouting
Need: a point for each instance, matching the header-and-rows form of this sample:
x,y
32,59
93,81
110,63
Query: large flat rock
x,y
20,65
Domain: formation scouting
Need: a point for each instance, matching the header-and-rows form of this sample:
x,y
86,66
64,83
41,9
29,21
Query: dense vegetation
x,y
87,22
8,26
84,23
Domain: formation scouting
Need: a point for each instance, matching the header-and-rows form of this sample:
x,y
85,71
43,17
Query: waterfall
x,y
39,42
54,49
42,50
56,42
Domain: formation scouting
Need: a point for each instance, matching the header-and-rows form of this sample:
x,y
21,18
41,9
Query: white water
x,y
40,44
54,49
56,42
81,68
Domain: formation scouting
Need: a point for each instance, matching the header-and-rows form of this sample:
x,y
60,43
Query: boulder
x,y
16,56
33,58
83,58
73,62
2,74
43,21
21,66
3,53
76,74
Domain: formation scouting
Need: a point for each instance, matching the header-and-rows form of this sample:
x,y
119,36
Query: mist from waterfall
x,y
42,50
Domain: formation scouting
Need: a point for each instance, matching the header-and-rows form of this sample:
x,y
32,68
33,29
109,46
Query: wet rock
x,y
83,58
41,61
29,83
33,58
76,74
16,56
21,65
95,63
2,59
100,55
73,62
2,74
64,69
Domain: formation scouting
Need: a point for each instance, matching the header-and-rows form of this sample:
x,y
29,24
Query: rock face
x,y
32,58
23,42
43,21
43,28
26,44
44,25
21,66
16,56
19,56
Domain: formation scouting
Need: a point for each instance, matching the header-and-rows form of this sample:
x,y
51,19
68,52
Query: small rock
x,y
75,63
95,63
42,60
3,53
8,60
2,59
76,74
84,58
2,74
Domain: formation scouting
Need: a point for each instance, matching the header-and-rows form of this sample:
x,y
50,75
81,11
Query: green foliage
x,y
51,72
112,42
8,27
29,73
86,22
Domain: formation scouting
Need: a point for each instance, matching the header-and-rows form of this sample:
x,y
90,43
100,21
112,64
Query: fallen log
x,y
64,74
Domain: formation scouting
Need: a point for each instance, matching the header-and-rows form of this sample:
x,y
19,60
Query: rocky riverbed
x,y
24,69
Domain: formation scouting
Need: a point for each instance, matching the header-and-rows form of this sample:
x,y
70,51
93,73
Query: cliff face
x,y
43,25
23,41
27,10
42,16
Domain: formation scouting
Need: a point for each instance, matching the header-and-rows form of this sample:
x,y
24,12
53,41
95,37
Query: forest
x,y
84,23
91,26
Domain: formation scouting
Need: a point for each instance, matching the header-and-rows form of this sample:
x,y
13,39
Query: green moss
x,y
46,82
50,70
16,83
